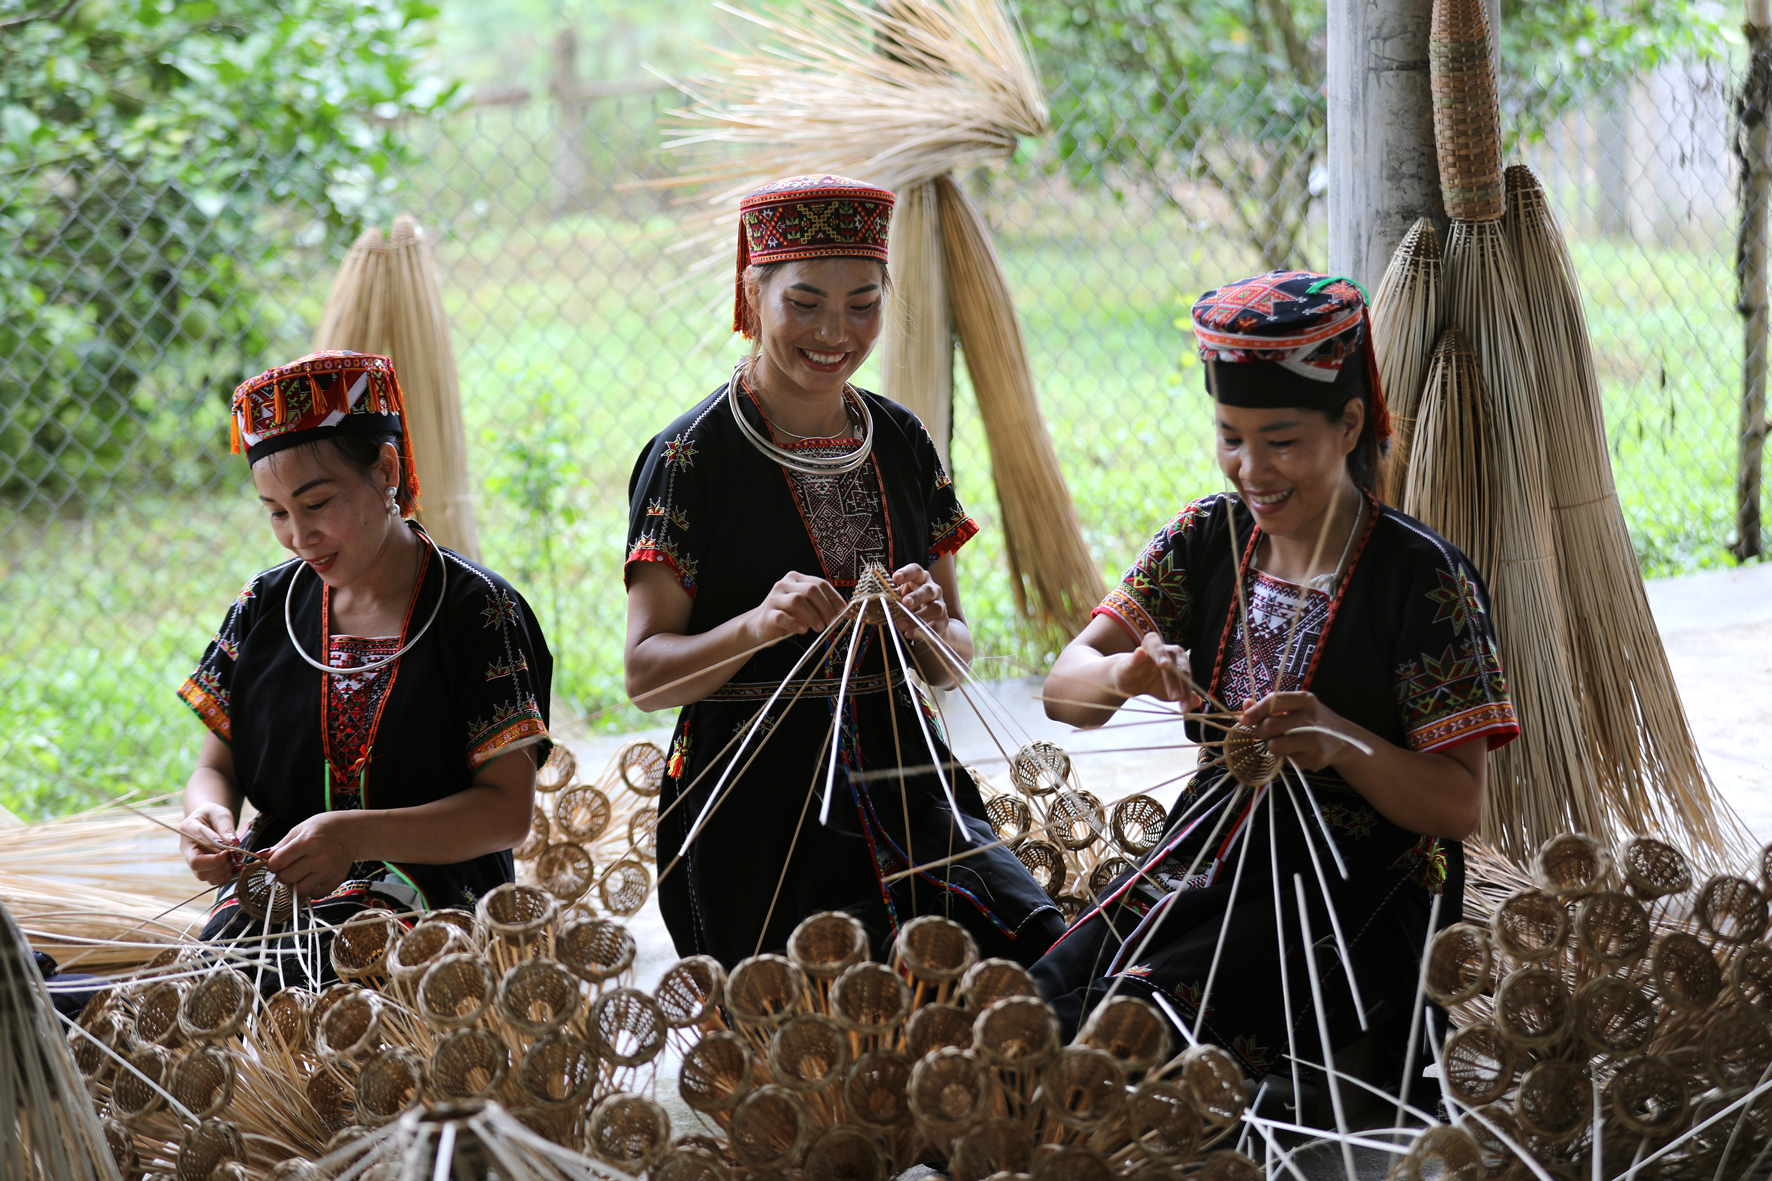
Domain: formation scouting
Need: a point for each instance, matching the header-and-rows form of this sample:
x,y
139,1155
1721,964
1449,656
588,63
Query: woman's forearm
x,y
667,670
1078,689
1420,791
936,665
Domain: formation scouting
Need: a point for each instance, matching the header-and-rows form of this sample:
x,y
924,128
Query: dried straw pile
x,y
387,299
902,95
591,842
1612,1013
1407,317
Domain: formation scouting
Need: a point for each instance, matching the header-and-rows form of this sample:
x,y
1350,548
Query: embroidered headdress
x,y
324,395
1289,338
809,217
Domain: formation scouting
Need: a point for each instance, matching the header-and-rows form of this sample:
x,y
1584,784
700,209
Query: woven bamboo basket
x,y
1648,1097
1612,928
949,1092
1555,1101
993,1146
629,1132
217,1006
825,944
1737,1051
1497,1157
1730,910
875,1091
1045,863
1479,1064
641,767
538,996
1467,122
934,950
1533,1008
206,1146
596,950
1248,759
559,772
689,990
1039,769
518,918
465,921
716,1073
1654,869
257,891
1131,1030
1530,925
121,1141
934,1027
992,980
456,991
468,1064
643,834
1016,1033
690,1163
764,990
809,1052
204,1080
624,887
626,1027
1105,874
1572,865
1214,1084
565,870
139,1092
1010,818
350,1030
1460,964
1226,1164
1075,820
847,1152
414,952
1083,1088
558,1071
771,1128
1684,972
1161,1120
1076,1162
156,1014
361,944
1138,823
870,999
1443,1153
390,1083
1615,1016
1750,979
582,813
332,1100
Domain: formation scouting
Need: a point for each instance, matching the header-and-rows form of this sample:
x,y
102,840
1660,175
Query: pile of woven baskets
x,y
591,842
1614,1009
1070,842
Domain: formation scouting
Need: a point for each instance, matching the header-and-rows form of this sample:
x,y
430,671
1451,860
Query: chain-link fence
x,y
128,527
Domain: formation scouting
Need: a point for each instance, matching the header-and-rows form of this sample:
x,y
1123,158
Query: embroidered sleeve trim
x,y
1492,719
511,728
1118,607
209,701
953,535
648,549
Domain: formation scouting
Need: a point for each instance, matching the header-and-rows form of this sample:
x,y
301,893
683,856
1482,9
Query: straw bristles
x,y
1407,317
1643,745
918,367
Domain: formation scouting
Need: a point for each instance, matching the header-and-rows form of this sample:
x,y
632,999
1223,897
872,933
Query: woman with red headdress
x,y
754,518
380,700
1354,646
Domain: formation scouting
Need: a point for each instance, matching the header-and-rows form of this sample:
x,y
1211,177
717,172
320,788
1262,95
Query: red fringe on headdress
x,y
1376,404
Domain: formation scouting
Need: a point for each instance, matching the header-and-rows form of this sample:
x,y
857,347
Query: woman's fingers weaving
x,y
797,604
316,855
921,596
208,826
1278,718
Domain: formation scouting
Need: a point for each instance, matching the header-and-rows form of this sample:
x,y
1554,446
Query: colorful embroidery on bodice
x,y
845,514
1270,640
352,704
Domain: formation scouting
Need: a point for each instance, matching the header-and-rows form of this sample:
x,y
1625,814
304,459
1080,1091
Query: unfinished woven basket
x,y
1555,1100
582,814
643,834
139,1091
808,1053
1039,769
1130,1029
469,1063
423,946
361,944
390,1083
1685,972
1530,925
764,990
936,1026
1479,1064
770,1128
1572,865
875,1090
1533,1007
994,1146
1248,759
1105,874
642,768
689,990
1737,1051
1016,1033
1467,123
257,891
1084,1088
686,1162
565,870
716,1072
870,999
843,1151
629,1132
351,1028
948,1092
217,1006
1138,823
1443,1153
1731,910
626,1027
539,835
624,887
1075,820
538,995
558,772
517,916
558,1071
596,950
156,1014
332,1100
1615,1016
1459,965
992,980
825,944
456,990
204,1080
206,1146
1161,1120
1612,928
1750,978
1045,863
1214,1083
1648,1097
935,950
1654,868
1010,818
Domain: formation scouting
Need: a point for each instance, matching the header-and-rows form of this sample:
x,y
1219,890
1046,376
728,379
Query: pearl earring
x,y
393,504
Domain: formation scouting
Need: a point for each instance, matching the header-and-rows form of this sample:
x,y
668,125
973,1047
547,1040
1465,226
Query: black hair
x,y
1365,463
361,452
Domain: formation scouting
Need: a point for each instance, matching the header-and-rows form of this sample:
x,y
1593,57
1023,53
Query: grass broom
x,y
919,362
357,314
1407,317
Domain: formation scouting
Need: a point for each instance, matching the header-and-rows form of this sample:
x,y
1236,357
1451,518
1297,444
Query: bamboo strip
x,y
919,361
1407,318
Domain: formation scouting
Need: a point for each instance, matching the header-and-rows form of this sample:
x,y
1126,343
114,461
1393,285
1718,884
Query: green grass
x,y
574,347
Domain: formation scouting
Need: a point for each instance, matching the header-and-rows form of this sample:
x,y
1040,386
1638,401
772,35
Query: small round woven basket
x,y
424,945
456,990
626,1027
1248,759
642,768
541,831
217,1006
808,1053
121,1143
629,1132
770,1129
948,1092
624,887
558,772
1137,823
764,990
136,1093
643,834
1750,978
824,944
1214,1084
558,1071
1498,1158
1530,925
687,1162
1572,865
1648,1096
993,1146
1555,1101
582,814
332,1099
1612,928
1130,1029
1443,1153
875,1090
1479,1064
390,1083
1654,869
211,1143
992,980
1226,1164
361,944
1614,1016
465,921
538,995
156,1014
1084,1088
1533,1008
294,1169
1016,1033
936,1026
204,1080
1161,1120
565,871
1684,972
1039,769
233,1170
1105,874
109,1030
1073,1162
596,950
1460,963
516,915
689,990
935,950
1009,817
1730,910
1737,1051
350,1029
1046,863
258,891
716,1072
1075,820
843,1152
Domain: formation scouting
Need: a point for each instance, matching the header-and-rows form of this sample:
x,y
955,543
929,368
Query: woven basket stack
x,y
590,843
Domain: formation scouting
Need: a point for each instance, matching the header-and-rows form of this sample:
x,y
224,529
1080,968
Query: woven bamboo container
x,y
1467,120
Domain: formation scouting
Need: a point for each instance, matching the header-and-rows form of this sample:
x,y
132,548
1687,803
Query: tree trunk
x,y
1751,137
569,151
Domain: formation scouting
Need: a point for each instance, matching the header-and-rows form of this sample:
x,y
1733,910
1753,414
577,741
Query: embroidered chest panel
x,y
1268,657
352,703
845,516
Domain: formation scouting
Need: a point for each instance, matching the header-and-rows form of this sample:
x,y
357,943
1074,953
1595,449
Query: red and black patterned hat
x,y
810,217
1284,339
324,395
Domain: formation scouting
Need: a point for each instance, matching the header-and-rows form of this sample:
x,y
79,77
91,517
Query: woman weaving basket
x,y
1352,640
382,701
754,517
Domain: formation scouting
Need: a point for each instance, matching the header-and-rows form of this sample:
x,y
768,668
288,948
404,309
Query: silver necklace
x,y
1327,582
289,622
807,465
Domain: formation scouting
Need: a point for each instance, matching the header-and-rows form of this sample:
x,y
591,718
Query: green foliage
x,y
149,150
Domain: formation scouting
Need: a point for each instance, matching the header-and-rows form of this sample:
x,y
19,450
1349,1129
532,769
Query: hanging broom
x,y
357,314
1550,764
1645,749
919,362
1407,316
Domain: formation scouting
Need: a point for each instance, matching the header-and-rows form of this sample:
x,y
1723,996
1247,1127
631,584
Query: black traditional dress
x,y
412,732
730,523
1402,646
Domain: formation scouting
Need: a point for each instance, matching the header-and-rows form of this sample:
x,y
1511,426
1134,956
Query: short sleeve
x,y
510,674
950,526
666,517
1154,595
209,689
1449,682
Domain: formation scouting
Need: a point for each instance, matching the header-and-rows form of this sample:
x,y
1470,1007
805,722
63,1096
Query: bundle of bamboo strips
x,y
1453,489
359,309
1643,746
919,363
1407,317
